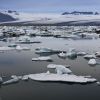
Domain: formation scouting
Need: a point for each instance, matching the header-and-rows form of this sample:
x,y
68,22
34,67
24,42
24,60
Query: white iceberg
x,y
63,75
60,69
92,62
61,78
25,77
89,56
97,54
71,53
62,55
21,48
46,50
26,40
81,53
6,48
43,58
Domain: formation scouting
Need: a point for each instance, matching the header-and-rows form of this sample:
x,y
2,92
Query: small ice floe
x,y
60,69
81,53
1,80
25,78
89,56
19,48
98,83
14,79
63,75
6,48
26,40
42,59
46,50
71,53
97,54
92,62
62,55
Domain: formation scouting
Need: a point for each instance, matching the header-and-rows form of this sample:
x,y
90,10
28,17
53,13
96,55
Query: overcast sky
x,y
44,6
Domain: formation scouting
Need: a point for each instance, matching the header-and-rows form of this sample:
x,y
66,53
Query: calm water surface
x,y
19,63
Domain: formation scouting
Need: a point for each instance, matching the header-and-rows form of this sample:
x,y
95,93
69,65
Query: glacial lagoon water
x,y
20,63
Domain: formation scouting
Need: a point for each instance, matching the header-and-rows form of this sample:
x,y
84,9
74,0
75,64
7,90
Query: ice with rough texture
x,y
62,78
92,62
14,79
60,69
46,50
62,55
6,48
81,53
43,58
25,78
89,56
62,75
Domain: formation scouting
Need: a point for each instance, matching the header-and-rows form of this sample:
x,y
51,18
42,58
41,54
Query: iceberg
x,y
43,58
92,62
62,55
63,75
14,79
71,53
89,56
21,48
1,80
60,69
6,48
25,78
81,53
97,54
46,50
26,40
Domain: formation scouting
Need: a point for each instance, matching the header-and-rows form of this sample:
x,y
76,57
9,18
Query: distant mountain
x,y
80,13
6,17
74,18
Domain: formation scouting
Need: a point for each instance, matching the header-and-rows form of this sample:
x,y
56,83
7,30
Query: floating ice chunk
x,y
60,69
97,54
81,53
46,50
25,48
92,62
15,79
62,78
1,80
25,77
71,53
89,56
62,55
42,59
98,83
19,48
6,48
26,40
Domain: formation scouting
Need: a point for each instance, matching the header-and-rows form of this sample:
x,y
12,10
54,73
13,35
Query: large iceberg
x,y
92,62
63,75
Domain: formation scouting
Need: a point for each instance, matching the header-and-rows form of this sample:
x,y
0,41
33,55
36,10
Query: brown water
x,y
19,63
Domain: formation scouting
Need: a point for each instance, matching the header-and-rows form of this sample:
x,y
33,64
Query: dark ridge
x,y
6,18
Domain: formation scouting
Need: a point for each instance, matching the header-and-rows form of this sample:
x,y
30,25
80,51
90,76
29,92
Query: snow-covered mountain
x,y
14,18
